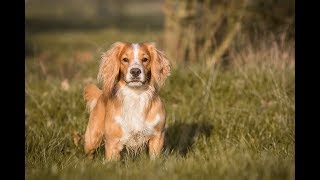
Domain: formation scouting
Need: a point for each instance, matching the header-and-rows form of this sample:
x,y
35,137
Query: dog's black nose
x,y
135,72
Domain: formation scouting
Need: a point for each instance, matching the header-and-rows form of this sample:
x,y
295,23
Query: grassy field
x,y
225,122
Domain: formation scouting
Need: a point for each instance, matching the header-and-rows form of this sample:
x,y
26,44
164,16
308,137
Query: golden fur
x,y
127,113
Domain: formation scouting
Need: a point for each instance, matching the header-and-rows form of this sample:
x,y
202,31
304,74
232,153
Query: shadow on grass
x,y
181,136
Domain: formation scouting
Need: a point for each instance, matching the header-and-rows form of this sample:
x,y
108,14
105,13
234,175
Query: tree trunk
x,y
199,31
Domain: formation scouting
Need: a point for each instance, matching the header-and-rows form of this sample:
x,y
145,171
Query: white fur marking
x,y
155,122
135,47
92,104
136,131
135,64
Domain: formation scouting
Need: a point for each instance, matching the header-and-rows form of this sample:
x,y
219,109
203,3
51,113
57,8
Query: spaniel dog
x,y
127,111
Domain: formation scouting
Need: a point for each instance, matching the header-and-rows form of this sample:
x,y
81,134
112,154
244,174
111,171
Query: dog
x,y
127,111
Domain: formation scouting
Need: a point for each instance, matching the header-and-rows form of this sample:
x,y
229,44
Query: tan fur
x,y
108,112
109,68
95,129
161,67
91,95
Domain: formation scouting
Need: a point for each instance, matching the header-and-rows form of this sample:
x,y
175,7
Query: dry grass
x,y
227,122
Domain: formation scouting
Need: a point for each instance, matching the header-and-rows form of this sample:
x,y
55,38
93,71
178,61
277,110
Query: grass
x,y
233,121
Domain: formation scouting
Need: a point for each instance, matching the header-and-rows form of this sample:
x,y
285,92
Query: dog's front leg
x,y
155,145
112,149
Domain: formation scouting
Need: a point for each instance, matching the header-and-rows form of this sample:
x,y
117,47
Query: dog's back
x,y
91,95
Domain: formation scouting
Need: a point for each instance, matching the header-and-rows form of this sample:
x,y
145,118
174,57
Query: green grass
x,y
230,122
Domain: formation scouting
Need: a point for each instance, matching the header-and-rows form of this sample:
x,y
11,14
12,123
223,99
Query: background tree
x,y
204,30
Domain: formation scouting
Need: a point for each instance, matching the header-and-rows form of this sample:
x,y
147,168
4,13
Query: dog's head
x,y
136,65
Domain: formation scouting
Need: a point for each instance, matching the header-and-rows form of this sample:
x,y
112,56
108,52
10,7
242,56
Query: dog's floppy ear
x,y
109,68
160,65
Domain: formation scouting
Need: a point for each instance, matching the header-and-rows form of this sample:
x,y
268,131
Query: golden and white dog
x,y
128,111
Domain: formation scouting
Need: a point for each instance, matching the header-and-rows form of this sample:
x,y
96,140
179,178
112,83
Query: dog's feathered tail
x,y
91,94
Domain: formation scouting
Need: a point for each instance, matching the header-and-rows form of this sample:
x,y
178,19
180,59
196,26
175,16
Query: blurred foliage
x,y
271,16
194,30
204,30
61,15
67,25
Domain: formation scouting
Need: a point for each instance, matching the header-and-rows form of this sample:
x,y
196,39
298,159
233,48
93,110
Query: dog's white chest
x,y
136,131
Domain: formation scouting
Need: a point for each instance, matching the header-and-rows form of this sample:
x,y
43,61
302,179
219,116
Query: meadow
x,y
228,121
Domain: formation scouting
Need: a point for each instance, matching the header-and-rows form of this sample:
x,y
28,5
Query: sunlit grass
x,y
234,122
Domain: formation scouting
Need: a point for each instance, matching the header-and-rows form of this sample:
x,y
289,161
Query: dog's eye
x,y
144,59
125,59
